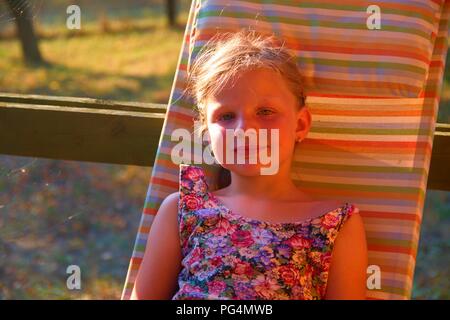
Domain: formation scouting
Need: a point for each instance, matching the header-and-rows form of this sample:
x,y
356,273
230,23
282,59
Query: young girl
x,y
261,236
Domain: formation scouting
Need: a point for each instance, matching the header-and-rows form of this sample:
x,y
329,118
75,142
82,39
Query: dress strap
x,y
194,196
192,186
335,220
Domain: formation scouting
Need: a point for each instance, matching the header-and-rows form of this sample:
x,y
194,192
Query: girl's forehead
x,y
251,86
254,85
237,101
251,96
261,78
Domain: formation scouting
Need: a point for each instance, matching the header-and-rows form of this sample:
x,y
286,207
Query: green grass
x,y
135,61
60,213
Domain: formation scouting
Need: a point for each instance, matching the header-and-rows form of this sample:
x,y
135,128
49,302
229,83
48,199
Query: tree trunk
x,y
171,6
25,32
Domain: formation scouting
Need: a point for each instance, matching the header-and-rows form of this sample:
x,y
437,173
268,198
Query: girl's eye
x,y
265,111
225,117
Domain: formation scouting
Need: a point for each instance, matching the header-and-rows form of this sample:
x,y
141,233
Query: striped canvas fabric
x,y
338,54
372,151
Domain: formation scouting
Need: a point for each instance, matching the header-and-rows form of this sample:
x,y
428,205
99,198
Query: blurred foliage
x,y
123,51
57,213
432,271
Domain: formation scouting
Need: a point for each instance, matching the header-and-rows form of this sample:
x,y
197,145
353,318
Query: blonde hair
x,y
227,54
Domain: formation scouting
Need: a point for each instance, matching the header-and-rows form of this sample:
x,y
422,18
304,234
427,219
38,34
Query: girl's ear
x,y
304,121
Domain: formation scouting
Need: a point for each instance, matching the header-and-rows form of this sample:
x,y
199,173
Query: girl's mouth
x,y
249,149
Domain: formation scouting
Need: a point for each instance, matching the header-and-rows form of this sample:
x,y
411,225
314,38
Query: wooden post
x,y
25,31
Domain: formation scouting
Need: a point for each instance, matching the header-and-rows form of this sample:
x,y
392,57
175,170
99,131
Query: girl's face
x,y
258,99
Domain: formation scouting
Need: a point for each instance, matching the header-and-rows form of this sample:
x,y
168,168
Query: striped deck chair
x,y
374,96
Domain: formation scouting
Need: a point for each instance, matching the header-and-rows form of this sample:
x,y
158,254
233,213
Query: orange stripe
x,y
167,164
173,114
356,48
137,260
350,48
368,144
404,7
315,82
438,64
143,229
387,268
394,249
308,145
164,182
370,113
182,67
390,215
150,211
438,2
331,95
362,194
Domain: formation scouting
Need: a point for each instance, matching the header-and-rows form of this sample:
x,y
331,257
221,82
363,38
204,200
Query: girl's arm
x,y
158,273
348,269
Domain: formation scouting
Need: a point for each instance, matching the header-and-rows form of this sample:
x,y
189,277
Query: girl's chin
x,y
245,169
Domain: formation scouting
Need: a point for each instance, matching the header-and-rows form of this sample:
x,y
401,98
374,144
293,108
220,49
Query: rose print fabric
x,y
229,256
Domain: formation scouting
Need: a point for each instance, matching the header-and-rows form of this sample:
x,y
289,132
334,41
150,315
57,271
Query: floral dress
x,y
228,256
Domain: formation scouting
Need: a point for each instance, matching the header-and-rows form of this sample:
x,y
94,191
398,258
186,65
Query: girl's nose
x,y
244,123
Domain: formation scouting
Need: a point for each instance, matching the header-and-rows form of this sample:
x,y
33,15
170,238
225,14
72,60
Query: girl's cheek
x,y
277,128
217,134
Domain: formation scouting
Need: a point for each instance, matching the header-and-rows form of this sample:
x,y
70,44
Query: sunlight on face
x,y
257,99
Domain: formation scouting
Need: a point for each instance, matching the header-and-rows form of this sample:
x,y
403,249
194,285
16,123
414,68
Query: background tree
x,y
171,6
22,15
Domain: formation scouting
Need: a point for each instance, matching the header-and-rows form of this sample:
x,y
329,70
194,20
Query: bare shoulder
x,y
351,242
165,219
353,227
169,206
347,274
172,198
157,275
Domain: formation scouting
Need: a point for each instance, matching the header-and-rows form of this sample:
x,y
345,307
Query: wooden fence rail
x,y
84,129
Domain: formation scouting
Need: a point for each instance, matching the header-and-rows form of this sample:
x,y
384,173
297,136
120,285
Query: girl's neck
x,y
278,187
